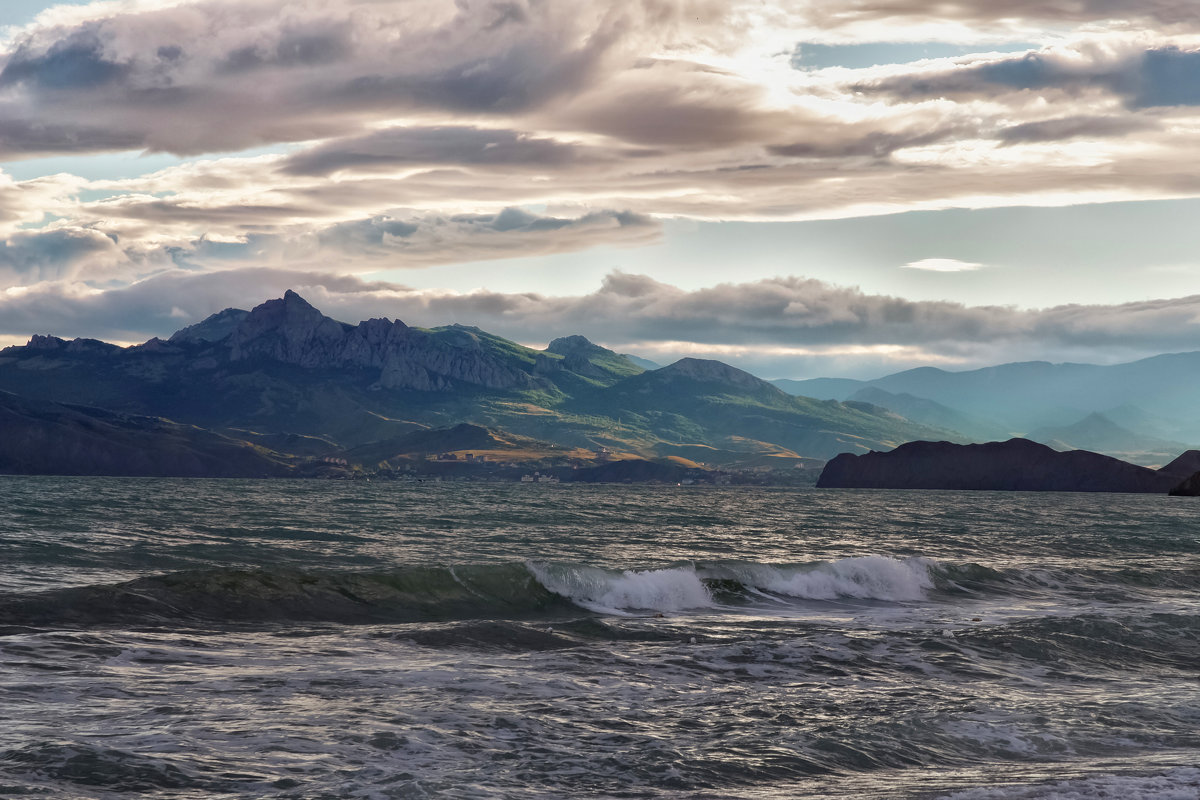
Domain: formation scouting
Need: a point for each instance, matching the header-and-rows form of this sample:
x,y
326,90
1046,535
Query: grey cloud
x,y
872,144
33,137
321,44
407,240
75,61
159,305
1157,77
33,256
682,108
1170,12
1053,130
433,145
773,326
244,74
431,239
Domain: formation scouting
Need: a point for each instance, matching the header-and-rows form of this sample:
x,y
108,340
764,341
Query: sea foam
x,y
671,589
863,578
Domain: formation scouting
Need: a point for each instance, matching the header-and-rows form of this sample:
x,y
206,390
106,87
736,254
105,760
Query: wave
x,y
430,594
541,590
660,590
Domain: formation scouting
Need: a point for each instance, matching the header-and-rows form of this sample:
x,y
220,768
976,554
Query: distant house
x,y
447,457
341,462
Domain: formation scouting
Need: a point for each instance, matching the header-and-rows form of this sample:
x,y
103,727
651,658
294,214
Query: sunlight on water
x,y
304,639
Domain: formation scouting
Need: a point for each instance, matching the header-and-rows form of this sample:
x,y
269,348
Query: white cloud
x,y
942,265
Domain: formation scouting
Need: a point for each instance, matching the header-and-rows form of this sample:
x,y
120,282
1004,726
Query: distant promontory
x,y
1013,465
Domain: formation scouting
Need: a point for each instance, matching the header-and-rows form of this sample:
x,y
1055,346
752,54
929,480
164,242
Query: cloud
x,y
392,241
1081,126
59,254
783,326
405,130
1004,14
1141,78
942,265
393,148
212,75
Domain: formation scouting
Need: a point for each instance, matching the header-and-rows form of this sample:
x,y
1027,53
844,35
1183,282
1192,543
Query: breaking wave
x,y
537,590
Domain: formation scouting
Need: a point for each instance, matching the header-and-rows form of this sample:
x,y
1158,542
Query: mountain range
x,y
1143,411
288,380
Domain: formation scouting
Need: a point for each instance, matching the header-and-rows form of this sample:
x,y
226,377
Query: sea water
x,y
306,639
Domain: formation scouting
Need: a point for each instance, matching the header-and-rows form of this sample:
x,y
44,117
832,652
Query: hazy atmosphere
x,y
798,189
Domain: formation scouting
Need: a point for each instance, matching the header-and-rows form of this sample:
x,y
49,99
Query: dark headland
x,y
1014,465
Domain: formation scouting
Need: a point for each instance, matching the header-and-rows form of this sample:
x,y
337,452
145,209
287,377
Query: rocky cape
x,y
1013,465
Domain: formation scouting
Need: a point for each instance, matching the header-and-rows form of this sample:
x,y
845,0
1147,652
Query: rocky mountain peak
x,y
571,345
288,329
40,342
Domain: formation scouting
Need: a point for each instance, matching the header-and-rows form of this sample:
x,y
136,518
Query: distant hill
x,y
699,400
284,370
644,363
1098,433
821,388
1014,465
1154,397
43,438
930,412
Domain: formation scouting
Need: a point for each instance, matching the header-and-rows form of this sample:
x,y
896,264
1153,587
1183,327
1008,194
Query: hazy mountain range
x,y
287,379
1144,410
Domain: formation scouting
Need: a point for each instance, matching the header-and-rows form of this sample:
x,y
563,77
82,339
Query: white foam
x,y
864,577
673,589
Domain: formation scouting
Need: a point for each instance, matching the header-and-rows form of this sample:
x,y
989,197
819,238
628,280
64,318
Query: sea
x,y
213,639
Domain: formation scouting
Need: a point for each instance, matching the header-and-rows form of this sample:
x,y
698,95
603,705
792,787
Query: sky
x,y
802,189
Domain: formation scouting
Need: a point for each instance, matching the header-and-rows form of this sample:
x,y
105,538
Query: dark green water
x,y
221,639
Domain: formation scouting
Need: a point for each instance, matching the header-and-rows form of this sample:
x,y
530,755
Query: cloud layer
x,y
781,327
391,135
656,107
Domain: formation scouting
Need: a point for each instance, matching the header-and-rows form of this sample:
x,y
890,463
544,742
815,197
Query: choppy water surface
x,y
213,639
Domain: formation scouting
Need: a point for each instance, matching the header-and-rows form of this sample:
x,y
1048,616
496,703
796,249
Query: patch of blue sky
x,y
810,55
119,166
92,167
22,12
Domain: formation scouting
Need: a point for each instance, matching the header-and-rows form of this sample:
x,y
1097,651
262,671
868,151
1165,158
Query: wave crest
x,y
671,589
859,578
